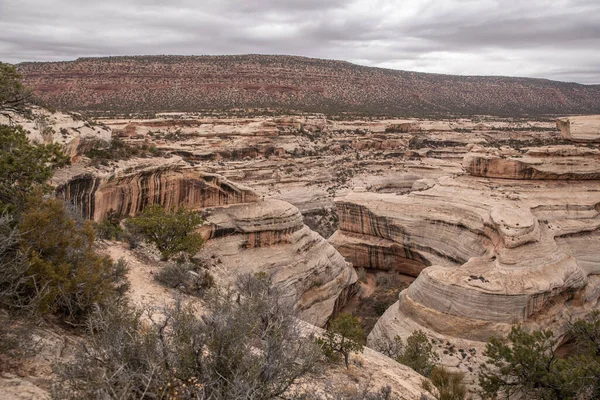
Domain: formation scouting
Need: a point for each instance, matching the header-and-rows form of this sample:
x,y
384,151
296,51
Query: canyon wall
x,y
491,248
246,234
126,194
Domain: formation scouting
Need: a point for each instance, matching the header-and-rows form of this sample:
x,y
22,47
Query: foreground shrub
x,y
64,273
24,167
171,231
248,345
527,365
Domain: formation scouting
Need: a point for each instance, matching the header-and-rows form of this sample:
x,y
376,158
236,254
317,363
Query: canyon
x,y
491,221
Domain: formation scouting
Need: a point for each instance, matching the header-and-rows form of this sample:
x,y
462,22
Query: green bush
x,y
527,365
24,167
65,274
11,88
417,353
172,232
110,227
343,336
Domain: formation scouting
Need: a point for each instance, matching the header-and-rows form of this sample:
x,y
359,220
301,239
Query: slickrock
x,y
269,236
557,162
75,134
580,129
497,251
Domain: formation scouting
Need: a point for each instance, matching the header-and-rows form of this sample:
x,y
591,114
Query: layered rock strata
x,y
497,251
246,234
171,186
269,236
583,129
556,162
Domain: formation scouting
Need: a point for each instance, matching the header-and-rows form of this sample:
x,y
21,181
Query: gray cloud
x,y
555,39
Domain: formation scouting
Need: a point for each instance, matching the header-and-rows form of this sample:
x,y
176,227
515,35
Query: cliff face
x,y
583,129
269,236
172,186
159,83
558,163
244,233
488,252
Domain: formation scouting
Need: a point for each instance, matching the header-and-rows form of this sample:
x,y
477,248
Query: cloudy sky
x,y
555,39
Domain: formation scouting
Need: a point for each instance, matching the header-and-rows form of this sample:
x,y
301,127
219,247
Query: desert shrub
x,y
64,273
526,364
24,167
14,276
118,149
450,385
249,344
344,335
110,227
380,307
187,277
172,232
417,353
363,391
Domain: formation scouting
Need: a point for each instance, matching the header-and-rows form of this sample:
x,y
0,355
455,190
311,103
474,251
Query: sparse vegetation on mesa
x,y
189,83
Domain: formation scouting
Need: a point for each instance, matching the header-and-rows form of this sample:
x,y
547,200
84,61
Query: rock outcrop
x,y
72,132
584,129
246,234
171,186
488,252
556,162
270,236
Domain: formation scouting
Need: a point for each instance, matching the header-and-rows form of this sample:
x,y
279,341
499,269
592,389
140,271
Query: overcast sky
x,y
555,39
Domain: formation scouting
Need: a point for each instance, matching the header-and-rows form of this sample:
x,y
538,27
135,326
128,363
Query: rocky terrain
x,y
495,219
178,83
512,240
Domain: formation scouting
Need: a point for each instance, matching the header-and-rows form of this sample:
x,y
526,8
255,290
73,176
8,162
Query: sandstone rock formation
x,y
556,162
75,134
171,186
497,251
580,129
246,234
269,236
